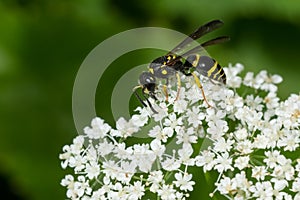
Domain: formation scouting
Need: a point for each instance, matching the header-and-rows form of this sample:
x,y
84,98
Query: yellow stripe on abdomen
x,y
211,70
216,74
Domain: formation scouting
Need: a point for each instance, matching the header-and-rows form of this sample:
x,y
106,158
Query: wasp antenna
x,y
138,96
149,103
154,97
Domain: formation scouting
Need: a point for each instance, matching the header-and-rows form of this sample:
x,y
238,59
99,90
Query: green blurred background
x,y
42,44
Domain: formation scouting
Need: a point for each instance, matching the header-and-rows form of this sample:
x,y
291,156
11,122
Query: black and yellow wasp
x,y
171,64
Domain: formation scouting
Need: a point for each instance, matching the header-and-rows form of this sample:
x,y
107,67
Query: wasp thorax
x,y
159,68
157,63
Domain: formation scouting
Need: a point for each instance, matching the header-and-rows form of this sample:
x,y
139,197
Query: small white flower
x,y
99,194
99,129
82,187
290,140
242,162
159,134
180,106
245,147
226,186
249,80
162,110
271,100
217,129
65,156
206,159
241,134
284,169
259,172
124,128
157,148
126,171
68,181
223,162
296,185
279,184
195,117
297,167
254,102
261,141
185,154
122,152
172,121
167,192
272,158
213,116
242,183
136,191
185,136
139,120
110,168
105,148
143,157
193,94
183,181
171,164
262,190
77,162
222,145
234,81
92,169
268,83
231,101
155,178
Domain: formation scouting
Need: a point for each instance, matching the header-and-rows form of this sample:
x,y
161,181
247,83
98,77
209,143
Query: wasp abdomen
x,y
208,67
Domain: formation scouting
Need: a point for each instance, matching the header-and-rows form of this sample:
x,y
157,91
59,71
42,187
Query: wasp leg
x,y
201,88
165,90
178,86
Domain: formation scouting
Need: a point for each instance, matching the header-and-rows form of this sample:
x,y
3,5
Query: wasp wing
x,y
200,48
201,31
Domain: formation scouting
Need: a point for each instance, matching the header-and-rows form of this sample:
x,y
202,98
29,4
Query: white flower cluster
x,y
252,141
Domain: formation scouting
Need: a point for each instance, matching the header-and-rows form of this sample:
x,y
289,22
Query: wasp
x,y
187,63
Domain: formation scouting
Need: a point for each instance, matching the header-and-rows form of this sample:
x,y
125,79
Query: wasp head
x,y
148,81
